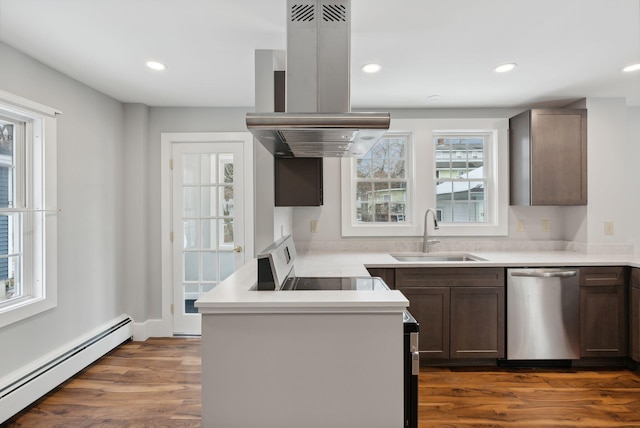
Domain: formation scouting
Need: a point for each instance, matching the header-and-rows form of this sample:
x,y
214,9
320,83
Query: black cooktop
x,y
330,283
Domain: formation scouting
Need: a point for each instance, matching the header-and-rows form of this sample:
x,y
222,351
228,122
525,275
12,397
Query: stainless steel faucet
x,y
425,240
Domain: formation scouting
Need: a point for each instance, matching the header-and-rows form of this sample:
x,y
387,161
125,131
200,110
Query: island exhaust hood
x,y
318,121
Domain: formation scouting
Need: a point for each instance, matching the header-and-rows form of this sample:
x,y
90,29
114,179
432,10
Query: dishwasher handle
x,y
543,273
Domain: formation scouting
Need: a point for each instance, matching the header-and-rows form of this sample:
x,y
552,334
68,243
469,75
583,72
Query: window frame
x,y
421,182
38,210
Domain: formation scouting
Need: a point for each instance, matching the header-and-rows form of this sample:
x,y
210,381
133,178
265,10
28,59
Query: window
x,y
459,167
380,182
27,208
461,183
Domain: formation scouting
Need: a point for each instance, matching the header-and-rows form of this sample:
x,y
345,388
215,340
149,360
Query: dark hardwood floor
x,y
157,384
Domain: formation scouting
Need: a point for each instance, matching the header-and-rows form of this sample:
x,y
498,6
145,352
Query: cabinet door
x,y
603,321
430,307
558,157
477,322
298,182
634,313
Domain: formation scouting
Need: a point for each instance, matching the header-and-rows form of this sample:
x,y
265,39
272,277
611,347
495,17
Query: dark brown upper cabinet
x,y
298,181
548,157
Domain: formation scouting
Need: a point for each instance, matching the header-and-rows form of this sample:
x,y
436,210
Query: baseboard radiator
x,y
46,374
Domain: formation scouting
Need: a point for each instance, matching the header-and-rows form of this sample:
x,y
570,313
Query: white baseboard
x,y
27,385
151,328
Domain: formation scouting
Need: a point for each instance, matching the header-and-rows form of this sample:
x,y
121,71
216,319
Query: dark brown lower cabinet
x,y
477,322
603,312
460,311
430,307
634,315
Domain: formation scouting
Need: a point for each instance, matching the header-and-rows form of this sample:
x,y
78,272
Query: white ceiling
x,y
565,49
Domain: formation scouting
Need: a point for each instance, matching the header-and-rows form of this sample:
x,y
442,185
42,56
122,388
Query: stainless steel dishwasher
x,y
543,317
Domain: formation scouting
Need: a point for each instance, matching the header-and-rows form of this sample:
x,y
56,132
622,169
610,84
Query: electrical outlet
x,y
608,228
314,226
546,225
520,225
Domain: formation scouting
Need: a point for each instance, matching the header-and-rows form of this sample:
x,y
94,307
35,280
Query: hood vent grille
x,y
303,12
334,13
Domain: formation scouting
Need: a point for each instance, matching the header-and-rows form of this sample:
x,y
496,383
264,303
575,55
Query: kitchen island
x,y
301,358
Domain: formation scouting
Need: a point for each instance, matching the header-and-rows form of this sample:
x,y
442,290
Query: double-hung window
x,y
461,182
380,193
27,208
457,166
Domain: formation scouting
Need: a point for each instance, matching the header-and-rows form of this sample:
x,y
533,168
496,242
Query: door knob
x,y
238,249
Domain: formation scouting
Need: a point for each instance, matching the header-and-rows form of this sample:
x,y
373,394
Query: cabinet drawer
x,y
603,275
449,277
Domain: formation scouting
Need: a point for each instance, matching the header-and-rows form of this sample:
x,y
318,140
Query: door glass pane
x,y
191,266
226,233
208,234
190,201
208,169
208,201
226,168
226,201
190,168
190,239
209,265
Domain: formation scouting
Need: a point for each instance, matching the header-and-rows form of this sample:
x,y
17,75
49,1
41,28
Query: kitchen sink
x,y
437,257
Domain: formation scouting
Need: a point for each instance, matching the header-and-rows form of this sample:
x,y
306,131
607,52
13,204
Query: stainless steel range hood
x,y
318,122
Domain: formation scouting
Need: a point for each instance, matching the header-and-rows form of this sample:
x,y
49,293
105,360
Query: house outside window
x,y
28,208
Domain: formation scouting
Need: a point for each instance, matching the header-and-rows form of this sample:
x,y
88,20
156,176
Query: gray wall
x,y
91,223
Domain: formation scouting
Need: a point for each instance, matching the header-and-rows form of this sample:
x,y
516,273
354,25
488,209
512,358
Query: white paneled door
x,y
207,223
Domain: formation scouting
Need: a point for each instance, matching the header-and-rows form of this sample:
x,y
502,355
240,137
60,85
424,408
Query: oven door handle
x,y
415,363
415,355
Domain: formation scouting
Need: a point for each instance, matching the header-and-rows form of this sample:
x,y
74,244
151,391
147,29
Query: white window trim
x,y
43,132
420,188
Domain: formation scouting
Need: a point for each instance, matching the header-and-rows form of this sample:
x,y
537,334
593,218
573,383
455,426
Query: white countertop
x,y
504,259
235,294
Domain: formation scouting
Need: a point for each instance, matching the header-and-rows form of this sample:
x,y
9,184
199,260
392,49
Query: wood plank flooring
x,y
157,384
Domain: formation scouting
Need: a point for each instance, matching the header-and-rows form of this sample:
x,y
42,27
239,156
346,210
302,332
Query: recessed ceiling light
x,y
371,68
505,67
155,65
632,67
